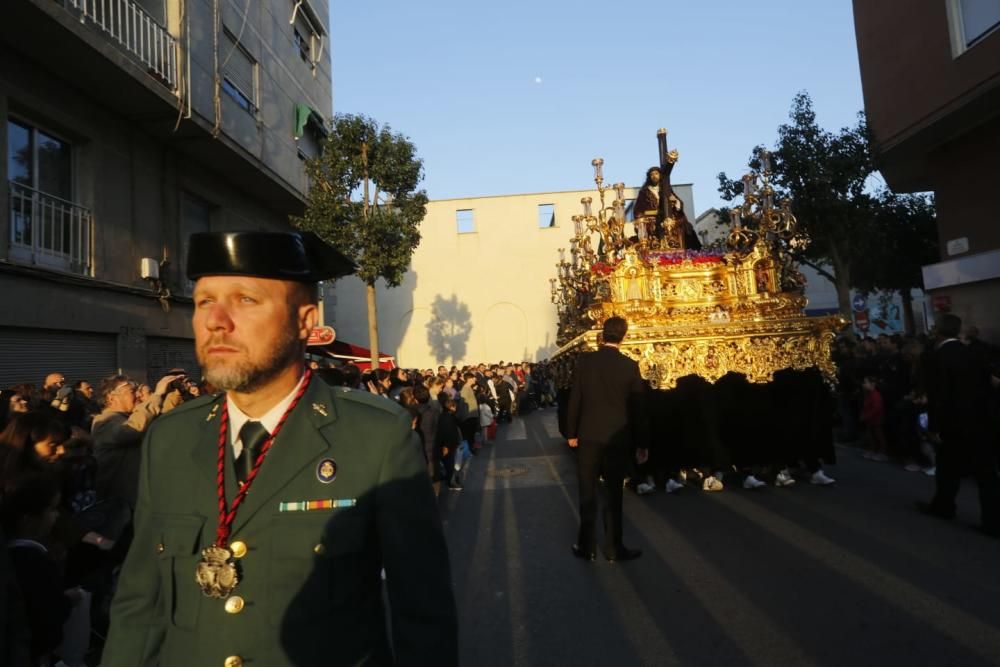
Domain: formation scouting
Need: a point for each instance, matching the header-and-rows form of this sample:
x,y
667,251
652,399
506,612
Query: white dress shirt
x,y
237,418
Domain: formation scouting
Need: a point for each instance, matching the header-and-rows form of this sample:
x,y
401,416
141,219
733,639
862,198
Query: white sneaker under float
x,y
673,486
821,478
784,479
752,482
712,483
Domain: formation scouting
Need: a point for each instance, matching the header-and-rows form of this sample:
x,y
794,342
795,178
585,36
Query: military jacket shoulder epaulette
x,y
368,399
202,403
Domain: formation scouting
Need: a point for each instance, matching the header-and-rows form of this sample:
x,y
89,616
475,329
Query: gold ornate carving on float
x,y
697,311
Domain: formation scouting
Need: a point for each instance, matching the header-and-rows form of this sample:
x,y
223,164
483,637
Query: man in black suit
x,y
606,421
957,389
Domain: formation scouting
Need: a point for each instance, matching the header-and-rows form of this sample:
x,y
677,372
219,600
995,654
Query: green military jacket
x,y
311,589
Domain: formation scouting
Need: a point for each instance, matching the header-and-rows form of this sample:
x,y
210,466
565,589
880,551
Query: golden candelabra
x,y
758,219
706,312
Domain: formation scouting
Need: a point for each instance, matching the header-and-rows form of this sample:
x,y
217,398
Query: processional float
x,y
691,311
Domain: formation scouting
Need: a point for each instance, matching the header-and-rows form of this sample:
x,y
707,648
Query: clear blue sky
x,y
514,97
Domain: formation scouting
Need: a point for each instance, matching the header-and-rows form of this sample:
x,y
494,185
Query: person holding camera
x,y
118,433
178,391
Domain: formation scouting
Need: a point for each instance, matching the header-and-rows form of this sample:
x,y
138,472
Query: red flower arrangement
x,y
695,256
665,259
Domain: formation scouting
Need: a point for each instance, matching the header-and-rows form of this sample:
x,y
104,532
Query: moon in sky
x,y
538,79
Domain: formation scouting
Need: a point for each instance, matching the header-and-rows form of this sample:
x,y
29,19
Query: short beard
x,y
246,377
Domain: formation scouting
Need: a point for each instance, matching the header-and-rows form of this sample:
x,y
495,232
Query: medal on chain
x,y
216,573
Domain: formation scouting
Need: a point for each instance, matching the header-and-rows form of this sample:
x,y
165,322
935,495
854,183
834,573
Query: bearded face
x,y
247,330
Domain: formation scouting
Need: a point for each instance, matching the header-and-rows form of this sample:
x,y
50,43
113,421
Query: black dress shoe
x,y
623,554
585,555
932,510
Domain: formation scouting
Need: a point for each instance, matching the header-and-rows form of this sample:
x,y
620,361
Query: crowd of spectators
x,y
882,390
455,410
929,403
69,470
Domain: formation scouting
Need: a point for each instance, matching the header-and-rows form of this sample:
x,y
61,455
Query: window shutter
x,y
239,68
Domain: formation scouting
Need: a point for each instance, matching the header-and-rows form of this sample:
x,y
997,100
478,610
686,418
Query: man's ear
x,y
308,318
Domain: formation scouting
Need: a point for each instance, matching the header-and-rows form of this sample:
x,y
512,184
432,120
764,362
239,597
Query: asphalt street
x,y
843,575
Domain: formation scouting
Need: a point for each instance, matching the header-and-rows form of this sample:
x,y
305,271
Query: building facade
x,y
478,286
127,126
930,73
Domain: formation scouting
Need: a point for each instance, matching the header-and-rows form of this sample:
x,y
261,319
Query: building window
x,y
629,210
38,160
47,227
971,22
239,73
307,33
465,220
310,131
196,217
309,147
546,216
303,42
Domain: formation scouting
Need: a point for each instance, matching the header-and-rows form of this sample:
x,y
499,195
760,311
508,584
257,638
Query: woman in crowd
x,y
12,402
28,442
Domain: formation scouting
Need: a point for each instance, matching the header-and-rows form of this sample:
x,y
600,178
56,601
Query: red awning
x,y
355,354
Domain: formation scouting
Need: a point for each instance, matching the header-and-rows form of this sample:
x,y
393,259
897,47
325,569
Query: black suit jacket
x,y
957,392
607,401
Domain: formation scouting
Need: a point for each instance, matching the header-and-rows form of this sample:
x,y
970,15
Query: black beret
x,y
298,256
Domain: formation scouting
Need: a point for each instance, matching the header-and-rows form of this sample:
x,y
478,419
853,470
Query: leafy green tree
x,y
363,200
905,235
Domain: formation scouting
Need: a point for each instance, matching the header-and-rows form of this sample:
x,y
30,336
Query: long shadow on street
x,y
799,576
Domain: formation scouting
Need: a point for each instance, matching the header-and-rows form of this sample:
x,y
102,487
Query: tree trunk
x,y
372,324
842,281
843,296
909,322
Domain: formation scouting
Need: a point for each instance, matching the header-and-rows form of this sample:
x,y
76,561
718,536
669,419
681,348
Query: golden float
x,y
737,308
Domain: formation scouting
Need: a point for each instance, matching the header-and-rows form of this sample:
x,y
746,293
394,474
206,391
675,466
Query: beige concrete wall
x,y
476,297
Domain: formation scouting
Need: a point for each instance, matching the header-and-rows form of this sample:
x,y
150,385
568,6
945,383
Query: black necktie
x,y
253,435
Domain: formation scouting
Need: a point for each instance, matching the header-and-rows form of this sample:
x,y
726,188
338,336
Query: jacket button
x,y
234,605
319,549
239,549
160,548
233,661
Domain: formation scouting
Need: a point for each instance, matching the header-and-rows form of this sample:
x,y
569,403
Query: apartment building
x,y
930,73
127,126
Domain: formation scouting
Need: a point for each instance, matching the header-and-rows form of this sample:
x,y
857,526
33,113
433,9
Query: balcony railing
x,y
136,31
49,231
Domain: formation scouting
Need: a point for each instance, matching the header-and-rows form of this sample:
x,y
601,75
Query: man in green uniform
x,y
266,513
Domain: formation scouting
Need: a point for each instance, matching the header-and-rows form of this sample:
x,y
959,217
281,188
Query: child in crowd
x,y
873,419
448,439
485,420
